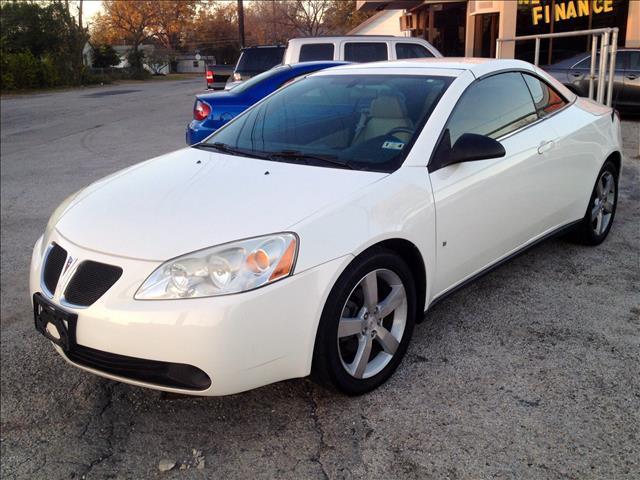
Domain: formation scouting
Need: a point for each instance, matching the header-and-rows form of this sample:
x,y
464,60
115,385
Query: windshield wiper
x,y
223,147
296,155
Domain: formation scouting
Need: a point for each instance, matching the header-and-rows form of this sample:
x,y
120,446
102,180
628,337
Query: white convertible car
x,y
312,232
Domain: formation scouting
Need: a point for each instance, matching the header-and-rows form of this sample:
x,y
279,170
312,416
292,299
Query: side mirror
x,y
470,147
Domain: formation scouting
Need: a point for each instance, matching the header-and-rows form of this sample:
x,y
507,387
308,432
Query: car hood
x,y
192,199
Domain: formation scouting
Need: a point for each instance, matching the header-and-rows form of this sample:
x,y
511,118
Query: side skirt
x,y
555,233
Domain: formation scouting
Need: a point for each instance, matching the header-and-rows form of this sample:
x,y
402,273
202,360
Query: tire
x,y
598,219
382,333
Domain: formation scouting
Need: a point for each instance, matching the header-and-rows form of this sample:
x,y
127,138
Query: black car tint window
x,y
365,52
494,106
316,51
259,59
411,50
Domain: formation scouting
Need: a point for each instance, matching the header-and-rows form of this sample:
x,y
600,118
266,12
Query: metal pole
x,y
273,21
602,71
612,66
536,57
596,31
498,44
592,73
241,23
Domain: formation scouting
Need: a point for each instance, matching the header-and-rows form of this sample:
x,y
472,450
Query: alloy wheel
x,y
372,323
603,203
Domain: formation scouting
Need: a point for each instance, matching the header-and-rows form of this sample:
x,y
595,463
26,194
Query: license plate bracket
x,y
64,323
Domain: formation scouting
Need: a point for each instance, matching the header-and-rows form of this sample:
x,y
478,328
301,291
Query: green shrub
x,y
90,78
7,82
105,56
49,74
23,70
20,70
141,74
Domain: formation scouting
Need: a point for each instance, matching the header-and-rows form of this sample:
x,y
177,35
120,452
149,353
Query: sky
x,y
90,8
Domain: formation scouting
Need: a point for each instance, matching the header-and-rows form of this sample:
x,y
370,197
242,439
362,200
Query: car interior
x,y
360,120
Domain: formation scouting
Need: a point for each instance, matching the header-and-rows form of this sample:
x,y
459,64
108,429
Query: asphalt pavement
x,y
531,372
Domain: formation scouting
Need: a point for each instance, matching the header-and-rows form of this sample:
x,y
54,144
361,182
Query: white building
x,y
193,63
385,22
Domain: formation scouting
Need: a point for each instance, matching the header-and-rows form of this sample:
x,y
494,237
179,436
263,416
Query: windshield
x,y
257,60
259,78
365,122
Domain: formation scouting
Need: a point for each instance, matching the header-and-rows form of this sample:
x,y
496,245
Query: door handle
x,y
632,76
545,146
576,74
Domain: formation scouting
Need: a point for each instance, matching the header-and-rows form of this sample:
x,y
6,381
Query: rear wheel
x,y
596,224
366,324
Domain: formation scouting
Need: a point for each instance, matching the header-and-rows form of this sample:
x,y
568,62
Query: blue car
x,y
213,110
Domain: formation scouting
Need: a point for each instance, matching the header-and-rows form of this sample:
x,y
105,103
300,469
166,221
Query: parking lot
x,y
531,372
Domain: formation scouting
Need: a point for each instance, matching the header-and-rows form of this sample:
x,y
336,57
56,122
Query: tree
x,y
29,27
266,23
102,33
306,16
48,34
105,56
277,21
134,21
214,32
173,18
74,36
341,16
158,60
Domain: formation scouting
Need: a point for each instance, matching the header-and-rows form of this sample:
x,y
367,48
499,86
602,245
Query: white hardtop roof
x,y
477,66
332,38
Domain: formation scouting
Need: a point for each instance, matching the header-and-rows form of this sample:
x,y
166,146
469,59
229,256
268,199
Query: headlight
x,y
230,268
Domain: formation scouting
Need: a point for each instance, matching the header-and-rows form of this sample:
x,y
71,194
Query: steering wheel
x,y
401,130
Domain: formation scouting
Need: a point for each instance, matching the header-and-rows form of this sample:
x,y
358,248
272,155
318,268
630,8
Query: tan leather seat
x,y
386,113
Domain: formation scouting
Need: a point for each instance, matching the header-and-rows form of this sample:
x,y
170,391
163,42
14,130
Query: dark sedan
x,y
574,74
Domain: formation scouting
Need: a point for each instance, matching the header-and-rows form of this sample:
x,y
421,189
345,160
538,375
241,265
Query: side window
x,y
316,51
494,106
585,64
545,98
634,60
411,50
621,62
365,52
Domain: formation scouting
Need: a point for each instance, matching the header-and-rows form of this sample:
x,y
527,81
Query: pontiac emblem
x,y
70,261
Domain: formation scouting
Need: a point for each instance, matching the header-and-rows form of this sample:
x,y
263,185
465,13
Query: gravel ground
x,y
531,372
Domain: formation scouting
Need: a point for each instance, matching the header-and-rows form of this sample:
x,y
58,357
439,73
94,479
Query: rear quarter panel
x,y
587,134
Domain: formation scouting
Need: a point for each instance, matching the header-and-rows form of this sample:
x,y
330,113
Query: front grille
x,y
176,375
54,263
90,282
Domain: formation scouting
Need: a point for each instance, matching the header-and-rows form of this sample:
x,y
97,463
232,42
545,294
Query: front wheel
x,y
366,324
596,224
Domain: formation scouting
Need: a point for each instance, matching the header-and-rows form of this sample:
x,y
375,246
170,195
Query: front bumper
x,y
240,341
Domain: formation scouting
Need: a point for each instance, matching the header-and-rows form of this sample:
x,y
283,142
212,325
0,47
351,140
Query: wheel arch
x,y
616,158
411,255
